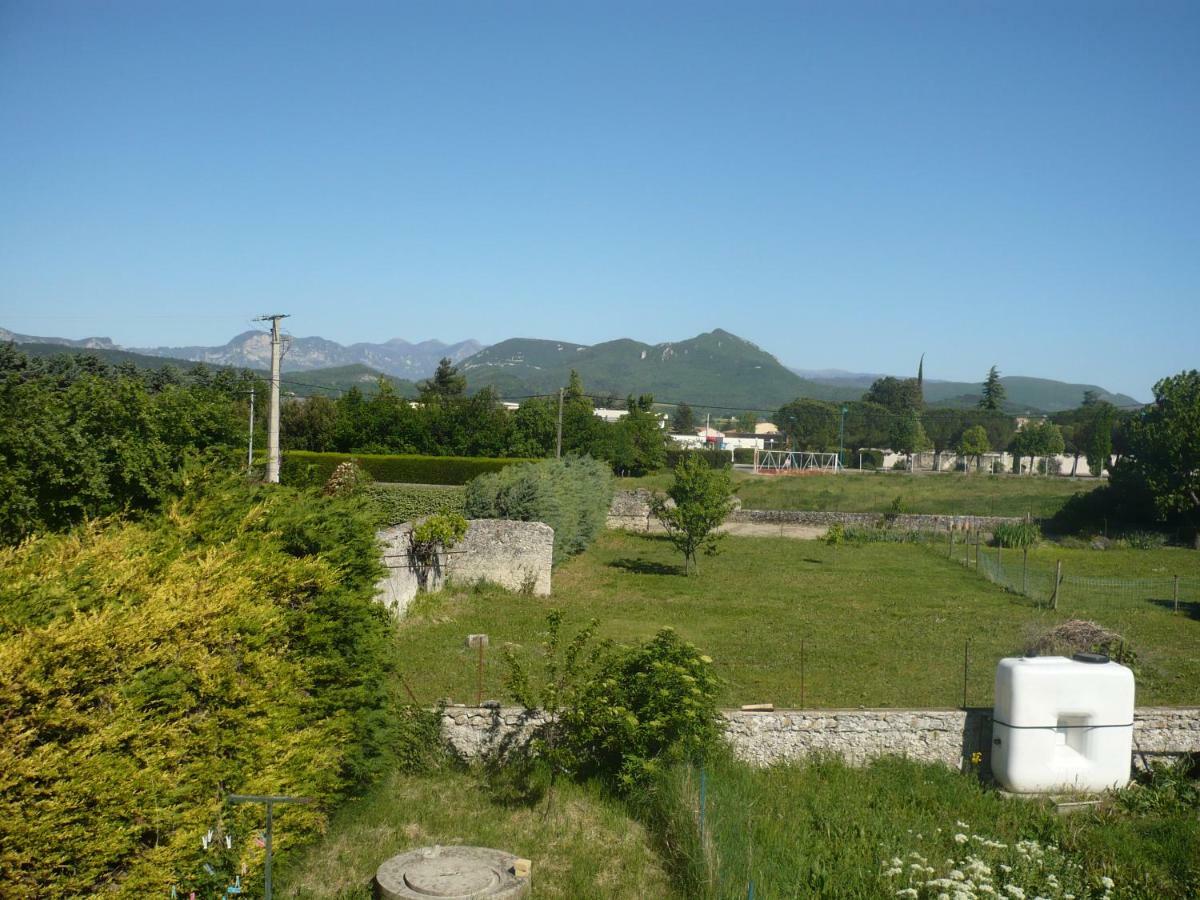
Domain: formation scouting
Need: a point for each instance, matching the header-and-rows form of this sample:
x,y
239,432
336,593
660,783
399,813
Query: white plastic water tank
x,y
1062,724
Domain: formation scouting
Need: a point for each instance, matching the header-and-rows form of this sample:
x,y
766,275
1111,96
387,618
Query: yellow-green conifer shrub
x,y
230,645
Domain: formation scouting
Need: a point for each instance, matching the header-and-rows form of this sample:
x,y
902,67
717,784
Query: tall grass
x,y
823,829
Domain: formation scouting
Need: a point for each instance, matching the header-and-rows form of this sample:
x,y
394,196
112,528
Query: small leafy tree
x,y
437,533
974,443
908,435
703,498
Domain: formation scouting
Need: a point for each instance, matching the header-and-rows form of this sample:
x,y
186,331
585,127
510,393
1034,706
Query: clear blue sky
x,y
846,184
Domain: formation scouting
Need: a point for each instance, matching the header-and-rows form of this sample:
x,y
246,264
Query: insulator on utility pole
x,y
273,413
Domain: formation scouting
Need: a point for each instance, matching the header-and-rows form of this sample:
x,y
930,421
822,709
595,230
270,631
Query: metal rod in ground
x,y
1025,571
409,690
1000,560
1175,593
750,890
950,553
802,706
1057,582
966,667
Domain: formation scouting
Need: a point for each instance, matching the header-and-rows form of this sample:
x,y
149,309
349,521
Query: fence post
x,y
1175,593
1057,582
1025,571
950,554
1000,559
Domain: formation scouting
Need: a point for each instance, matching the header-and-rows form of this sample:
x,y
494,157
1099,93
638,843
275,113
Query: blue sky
x,y
846,184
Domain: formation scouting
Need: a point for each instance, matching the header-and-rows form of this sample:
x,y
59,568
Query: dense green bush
x,y
146,668
81,440
302,468
744,456
571,495
871,459
391,504
618,713
1018,535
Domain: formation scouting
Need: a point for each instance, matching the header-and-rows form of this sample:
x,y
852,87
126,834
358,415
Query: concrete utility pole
x,y
273,414
250,449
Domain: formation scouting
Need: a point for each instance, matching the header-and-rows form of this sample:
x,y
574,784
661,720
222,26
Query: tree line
x,y
445,420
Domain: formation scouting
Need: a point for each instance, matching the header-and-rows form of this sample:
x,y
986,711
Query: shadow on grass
x,y
645,567
1188,608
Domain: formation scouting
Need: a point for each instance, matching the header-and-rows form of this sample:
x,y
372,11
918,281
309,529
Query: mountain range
x,y
716,370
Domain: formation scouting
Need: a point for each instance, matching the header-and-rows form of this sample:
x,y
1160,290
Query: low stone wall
x,y
514,555
631,510
947,736
903,522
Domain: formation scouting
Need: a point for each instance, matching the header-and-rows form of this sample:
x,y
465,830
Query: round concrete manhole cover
x,y
453,873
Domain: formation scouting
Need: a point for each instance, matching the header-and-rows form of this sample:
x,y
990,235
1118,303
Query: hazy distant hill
x,y
398,357
712,369
90,343
323,382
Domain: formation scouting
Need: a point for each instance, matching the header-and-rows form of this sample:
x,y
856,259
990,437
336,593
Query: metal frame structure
x,y
794,462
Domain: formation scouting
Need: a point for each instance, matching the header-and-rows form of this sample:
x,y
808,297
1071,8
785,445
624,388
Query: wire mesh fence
x,y
1058,588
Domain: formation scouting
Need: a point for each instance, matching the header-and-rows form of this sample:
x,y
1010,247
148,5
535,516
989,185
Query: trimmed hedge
x,y
391,504
304,468
570,495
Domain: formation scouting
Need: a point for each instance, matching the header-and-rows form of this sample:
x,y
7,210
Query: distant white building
x,y
615,415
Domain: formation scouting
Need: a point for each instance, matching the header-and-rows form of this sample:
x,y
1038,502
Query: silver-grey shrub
x,y
570,495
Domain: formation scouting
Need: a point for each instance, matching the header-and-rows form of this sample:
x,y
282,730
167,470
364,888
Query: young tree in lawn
x,y
1164,447
703,498
993,390
974,442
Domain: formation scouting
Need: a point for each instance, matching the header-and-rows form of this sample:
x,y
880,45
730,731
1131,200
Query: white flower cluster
x,y
988,869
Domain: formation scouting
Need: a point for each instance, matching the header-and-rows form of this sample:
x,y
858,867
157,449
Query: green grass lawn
x,y
883,624
945,493
582,844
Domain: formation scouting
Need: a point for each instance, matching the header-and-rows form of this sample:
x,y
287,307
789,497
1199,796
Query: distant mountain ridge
x,y
716,370
394,357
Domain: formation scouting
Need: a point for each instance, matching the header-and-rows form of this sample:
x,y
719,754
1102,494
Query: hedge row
x,y
303,468
391,504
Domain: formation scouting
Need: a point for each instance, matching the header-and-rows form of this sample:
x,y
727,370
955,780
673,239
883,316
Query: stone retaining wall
x,y
514,555
903,522
947,736
631,510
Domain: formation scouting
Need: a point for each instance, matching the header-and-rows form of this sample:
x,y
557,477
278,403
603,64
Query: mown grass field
x,y
945,493
882,624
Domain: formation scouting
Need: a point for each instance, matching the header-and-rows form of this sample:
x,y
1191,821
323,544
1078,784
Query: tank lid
x,y
1090,657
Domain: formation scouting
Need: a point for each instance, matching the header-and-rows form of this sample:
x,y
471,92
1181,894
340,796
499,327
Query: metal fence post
x,y
1175,593
1057,582
1025,571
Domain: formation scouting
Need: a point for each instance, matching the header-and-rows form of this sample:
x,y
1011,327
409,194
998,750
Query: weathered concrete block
x,y
514,555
